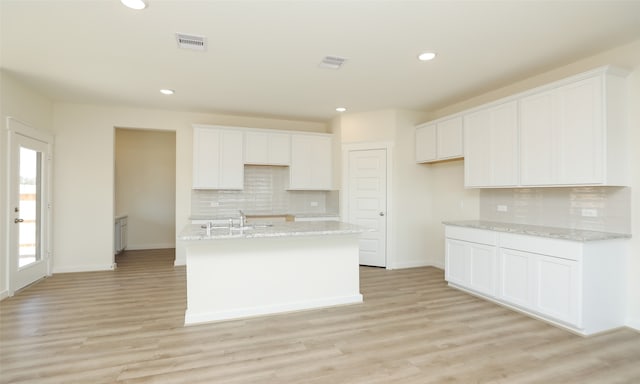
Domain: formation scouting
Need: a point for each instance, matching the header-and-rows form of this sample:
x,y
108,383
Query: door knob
x,y
18,221
381,213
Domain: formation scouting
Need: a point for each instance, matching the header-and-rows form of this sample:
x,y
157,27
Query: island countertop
x,y
277,229
540,231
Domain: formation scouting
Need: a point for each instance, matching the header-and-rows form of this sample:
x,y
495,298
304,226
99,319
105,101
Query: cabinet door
x,y
483,277
322,164
426,143
562,135
266,148
537,125
490,145
279,148
557,293
449,139
256,148
311,163
580,136
217,159
231,160
504,145
477,149
516,277
206,158
124,234
457,262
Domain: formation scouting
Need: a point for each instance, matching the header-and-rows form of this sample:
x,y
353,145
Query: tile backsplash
x,y
264,193
604,209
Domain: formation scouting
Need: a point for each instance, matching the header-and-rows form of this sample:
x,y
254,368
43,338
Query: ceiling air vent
x,y
332,62
197,43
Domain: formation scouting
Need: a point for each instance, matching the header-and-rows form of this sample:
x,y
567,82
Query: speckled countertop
x,y
262,214
541,231
283,229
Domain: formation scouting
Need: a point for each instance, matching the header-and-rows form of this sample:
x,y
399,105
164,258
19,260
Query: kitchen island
x,y
263,269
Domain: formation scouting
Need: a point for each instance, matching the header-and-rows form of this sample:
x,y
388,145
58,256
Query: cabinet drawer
x,y
565,249
471,234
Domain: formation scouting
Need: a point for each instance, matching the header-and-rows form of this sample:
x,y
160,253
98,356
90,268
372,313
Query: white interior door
x,y
368,202
29,196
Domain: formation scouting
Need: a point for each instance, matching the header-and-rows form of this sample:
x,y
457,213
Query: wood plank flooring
x,y
126,326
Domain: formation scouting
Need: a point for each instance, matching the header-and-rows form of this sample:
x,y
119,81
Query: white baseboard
x,y
191,318
84,268
415,264
4,294
139,247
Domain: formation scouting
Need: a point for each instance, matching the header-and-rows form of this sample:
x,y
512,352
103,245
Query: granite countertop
x,y
540,231
262,214
283,229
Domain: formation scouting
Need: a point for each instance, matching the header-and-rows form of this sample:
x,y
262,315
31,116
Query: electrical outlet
x,y
502,208
589,212
314,203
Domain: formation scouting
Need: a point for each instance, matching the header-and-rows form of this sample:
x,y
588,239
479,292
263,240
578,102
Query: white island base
x,y
241,277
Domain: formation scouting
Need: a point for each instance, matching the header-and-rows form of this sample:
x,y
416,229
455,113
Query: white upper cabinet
x,y
491,146
311,162
439,140
574,134
569,133
267,148
217,158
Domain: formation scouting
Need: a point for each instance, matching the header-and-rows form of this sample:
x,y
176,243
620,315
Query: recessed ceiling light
x,y
341,109
135,4
167,91
426,56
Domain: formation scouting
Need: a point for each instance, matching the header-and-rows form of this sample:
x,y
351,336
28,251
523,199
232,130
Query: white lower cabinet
x,y
576,285
120,236
547,285
472,265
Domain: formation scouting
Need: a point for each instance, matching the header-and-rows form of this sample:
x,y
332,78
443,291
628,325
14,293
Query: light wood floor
x,y
126,327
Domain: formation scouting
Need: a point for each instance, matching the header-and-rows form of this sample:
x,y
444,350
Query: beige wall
x,y
634,254
145,186
22,103
409,208
84,166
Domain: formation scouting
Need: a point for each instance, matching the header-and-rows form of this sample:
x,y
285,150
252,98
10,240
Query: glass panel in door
x,y
29,198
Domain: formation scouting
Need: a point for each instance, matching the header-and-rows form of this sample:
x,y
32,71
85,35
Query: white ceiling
x,y
263,56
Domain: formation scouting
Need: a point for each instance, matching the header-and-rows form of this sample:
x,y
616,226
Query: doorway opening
x,y
145,189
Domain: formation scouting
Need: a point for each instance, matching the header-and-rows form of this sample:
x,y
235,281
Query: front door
x,y
368,202
28,257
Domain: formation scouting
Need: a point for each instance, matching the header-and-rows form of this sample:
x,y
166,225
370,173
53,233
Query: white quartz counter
x,y
540,231
278,229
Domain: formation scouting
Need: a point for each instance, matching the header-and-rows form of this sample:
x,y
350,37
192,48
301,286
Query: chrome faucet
x,y
243,219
